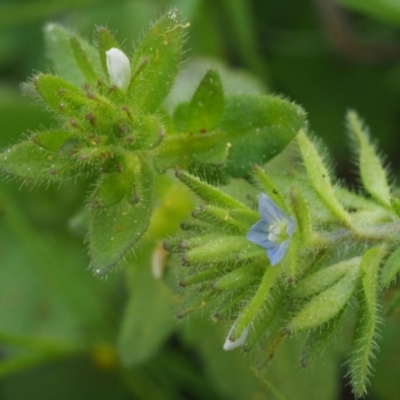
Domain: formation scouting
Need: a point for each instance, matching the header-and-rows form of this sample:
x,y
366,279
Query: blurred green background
x,y
67,335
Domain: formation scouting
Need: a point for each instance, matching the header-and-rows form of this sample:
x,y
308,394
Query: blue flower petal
x,y
269,211
276,253
261,232
258,234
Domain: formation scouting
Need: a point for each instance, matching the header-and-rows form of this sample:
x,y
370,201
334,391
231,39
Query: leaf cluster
x,y
342,256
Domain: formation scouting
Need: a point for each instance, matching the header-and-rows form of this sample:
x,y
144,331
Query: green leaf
x,y
60,95
148,318
59,50
258,128
83,61
210,194
113,231
270,187
220,218
110,189
362,350
105,41
73,58
391,268
369,267
182,150
57,141
372,173
365,331
28,161
225,249
269,324
326,305
320,338
239,277
254,306
320,178
395,203
199,277
86,111
147,133
324,278
207,105
156,62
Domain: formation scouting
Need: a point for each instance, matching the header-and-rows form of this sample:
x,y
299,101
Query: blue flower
x,y
273,231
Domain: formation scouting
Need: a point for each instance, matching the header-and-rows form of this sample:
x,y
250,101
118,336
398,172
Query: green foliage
x,y
312,287
120,132
302,270
372,173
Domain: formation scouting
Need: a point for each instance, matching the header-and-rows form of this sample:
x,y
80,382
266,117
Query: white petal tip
x,y
230,345
118,67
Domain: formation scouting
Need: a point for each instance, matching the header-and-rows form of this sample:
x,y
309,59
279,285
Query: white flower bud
x,y
119,68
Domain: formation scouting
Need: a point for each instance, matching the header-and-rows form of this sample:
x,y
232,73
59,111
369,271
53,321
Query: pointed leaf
x,y
326,305
320,177
391,268
86,111
239,277
255,304
57,40
226,249
105,41
83,61
257,129
73,58
29,161
156,62
208,193
57,141
207,105
363,347
113,231
373,175
324,278
221,218
61,95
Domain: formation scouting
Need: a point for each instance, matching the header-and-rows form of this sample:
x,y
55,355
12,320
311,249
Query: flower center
x,y
277,232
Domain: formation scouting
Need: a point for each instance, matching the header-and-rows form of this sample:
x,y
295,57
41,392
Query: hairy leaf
x,y
372,173
257,129
156,62
27,160
326,305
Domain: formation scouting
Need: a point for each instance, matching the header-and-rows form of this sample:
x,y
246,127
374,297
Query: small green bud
x,y
229,249
239,278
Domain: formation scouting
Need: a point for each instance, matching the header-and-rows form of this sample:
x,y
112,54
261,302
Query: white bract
x,y
119,68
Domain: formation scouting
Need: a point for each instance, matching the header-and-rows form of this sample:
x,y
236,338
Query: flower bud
x,y
119,68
